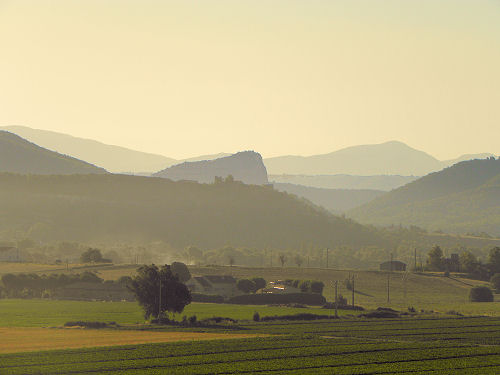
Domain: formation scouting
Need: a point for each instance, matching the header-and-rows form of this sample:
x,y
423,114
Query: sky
x,y
184,78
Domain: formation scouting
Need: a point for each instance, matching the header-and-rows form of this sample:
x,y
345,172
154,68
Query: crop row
x,y
264,360
339,364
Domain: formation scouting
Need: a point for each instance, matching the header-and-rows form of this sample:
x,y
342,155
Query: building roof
x,y
215,279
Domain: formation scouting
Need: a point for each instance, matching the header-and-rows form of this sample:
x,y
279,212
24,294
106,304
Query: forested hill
x,y
17,155
462,198
128,208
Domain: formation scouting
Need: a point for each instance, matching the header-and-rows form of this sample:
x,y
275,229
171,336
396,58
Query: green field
x,y
324,347
48,313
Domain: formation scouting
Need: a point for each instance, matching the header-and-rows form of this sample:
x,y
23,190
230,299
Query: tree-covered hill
x,y
131,208
462,198
17,155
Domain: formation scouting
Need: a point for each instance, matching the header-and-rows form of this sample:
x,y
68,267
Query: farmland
x,y
342,347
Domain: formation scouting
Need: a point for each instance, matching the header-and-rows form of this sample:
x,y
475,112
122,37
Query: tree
x,y
298,260
481,294
230,258
495,281
181,271
317,287
93,256
282,258
245,285
194,253
494,260
435,259
146,286
259,283
468,262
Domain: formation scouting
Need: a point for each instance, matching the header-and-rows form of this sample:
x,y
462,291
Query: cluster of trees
x,y
251,285
469,263
93,256
306,286
31,285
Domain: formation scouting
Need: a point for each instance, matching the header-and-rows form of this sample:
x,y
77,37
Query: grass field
x,y
14,340
356,346
48,313
428,292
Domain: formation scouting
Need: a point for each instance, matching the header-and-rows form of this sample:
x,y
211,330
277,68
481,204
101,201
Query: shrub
x,y
281,299
317,287
192,319
256,317
89,324
495,281
301,316
481,294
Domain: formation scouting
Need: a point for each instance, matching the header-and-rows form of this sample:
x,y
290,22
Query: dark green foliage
x,y
481,294
256,317
92,256
92,325
246,286
435,259
146,287
494,260
495,281
461,198
120,207
312,299
181,271
259,283
317,287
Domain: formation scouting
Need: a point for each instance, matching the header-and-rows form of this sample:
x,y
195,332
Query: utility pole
x,y
353,291
388,288
159,305
271,258
336,313
415,269
307,261
326,257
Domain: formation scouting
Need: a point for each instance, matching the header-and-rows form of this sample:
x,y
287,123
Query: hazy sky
x,y
184,77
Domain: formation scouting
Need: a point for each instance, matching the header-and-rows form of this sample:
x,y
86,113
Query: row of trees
x,y
36,286
469,263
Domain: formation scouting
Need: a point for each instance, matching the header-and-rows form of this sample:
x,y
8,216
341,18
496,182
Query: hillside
x,y
113,158
335,200
246,167
461,198
343,181
389,158
121,208
17,155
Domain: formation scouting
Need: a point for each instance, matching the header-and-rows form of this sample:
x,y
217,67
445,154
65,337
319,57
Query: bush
x,y
256,317
281,299
495,281
208,298
481,294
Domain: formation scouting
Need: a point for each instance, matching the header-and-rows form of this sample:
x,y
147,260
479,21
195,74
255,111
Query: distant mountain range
x,y
17,155
246,167
334,200
343,181
462,198
390,158
115,159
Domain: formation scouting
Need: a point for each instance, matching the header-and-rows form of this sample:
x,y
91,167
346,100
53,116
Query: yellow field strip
x,y
14,340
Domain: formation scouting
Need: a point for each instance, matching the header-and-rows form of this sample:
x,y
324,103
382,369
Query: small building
x,y
452,264
394,265
213,284
9,254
